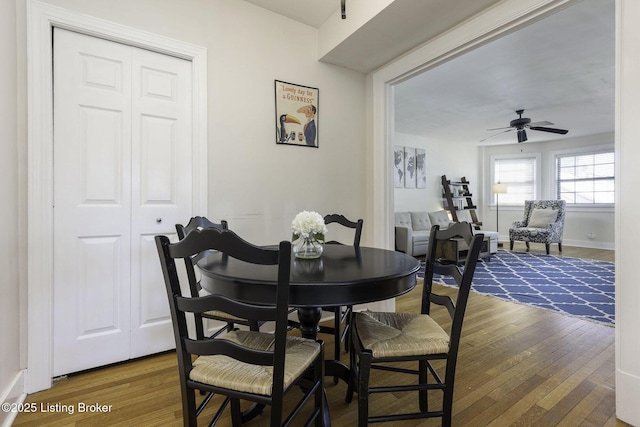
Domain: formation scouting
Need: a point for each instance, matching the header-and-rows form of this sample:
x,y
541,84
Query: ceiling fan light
x,y
522,135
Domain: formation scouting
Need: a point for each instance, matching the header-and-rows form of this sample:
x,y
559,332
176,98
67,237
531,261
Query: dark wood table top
x,y
344,275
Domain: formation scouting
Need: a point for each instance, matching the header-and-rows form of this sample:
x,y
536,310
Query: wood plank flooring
x,y
517,365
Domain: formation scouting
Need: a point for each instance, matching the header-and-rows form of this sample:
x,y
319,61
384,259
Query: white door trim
x,y
41,18
489,25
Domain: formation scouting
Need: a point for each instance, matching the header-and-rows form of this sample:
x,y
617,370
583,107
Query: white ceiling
x,y
310,12
559,69
396,29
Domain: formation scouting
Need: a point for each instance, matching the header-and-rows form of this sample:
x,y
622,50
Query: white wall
x,y
441,159
10,379
475,165
628,206
256,185
578,222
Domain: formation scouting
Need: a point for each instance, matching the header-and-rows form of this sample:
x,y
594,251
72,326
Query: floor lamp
x,y
498,189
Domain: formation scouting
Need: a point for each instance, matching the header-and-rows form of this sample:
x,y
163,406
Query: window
x,y
586,178
519,173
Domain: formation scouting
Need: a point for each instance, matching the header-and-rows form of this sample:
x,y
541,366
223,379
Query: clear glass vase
x,y
308,268
308,247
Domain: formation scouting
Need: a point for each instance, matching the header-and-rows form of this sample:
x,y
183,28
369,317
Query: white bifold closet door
x,y
122,174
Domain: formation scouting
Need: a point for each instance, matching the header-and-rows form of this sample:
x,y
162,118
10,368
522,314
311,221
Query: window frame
x,y
537,156
580,151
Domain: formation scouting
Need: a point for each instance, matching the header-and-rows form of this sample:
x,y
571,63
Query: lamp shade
x,y
499,188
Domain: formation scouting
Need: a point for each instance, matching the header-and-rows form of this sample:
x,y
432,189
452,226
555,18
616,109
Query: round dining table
x,y
343,275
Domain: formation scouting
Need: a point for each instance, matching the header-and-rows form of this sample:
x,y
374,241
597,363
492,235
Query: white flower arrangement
x,y
308,225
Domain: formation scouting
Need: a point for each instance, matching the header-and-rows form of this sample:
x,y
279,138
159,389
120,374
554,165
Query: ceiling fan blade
x,y
496,134
543,123
552,130
508,127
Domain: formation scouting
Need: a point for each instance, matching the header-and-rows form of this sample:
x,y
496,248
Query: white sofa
x,y
412,230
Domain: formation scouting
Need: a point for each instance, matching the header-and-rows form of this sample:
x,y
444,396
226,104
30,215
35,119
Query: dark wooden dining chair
x,y
242,365
200,223
388,338
342,314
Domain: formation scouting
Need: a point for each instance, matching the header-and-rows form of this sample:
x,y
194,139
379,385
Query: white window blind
x,y
586,178
519,175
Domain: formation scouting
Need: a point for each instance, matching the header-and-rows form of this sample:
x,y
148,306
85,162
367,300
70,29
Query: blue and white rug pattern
x,y
577,287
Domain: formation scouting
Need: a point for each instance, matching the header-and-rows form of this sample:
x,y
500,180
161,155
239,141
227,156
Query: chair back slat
x,y
228,305
199,222
228,348
225,241
459,229
342,220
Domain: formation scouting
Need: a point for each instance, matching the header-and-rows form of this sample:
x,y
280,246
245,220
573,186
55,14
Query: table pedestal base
x,y
309,318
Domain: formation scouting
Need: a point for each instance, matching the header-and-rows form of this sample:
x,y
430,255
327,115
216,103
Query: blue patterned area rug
x,y
577,287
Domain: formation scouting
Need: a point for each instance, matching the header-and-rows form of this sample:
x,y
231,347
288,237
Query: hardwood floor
x,y
517,365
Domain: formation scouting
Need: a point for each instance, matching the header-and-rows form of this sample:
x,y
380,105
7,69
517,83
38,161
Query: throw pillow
x,y
440,218
420,221
541,218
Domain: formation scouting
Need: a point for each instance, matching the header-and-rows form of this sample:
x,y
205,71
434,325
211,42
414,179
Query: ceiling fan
x,y
521,123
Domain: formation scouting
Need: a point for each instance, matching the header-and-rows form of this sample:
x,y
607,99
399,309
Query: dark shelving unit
x,y
457,196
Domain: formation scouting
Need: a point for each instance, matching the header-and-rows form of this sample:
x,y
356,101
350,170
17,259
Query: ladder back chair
x,y
200,223
242,365
342,315
391,338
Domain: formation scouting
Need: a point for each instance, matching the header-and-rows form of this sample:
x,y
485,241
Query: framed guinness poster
x,y
296,114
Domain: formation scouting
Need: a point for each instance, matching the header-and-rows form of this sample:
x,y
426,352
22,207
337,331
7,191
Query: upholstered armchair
x,y
543,223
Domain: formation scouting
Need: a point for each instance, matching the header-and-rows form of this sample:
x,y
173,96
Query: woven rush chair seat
x,y
400,334
223,371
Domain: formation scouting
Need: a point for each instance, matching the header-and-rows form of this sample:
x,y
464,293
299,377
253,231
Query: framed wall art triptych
x,y
409,167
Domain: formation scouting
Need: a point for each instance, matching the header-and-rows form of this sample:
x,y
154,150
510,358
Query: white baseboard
x,y
577,243
589,244
627,392
14,393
